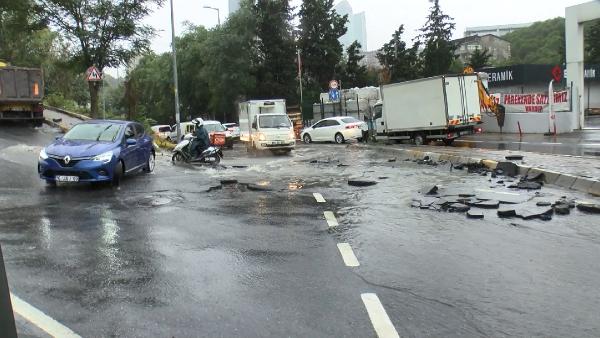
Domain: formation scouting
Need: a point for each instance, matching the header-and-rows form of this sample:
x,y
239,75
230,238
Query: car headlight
x,y
262,137
292,135
43,155
104,157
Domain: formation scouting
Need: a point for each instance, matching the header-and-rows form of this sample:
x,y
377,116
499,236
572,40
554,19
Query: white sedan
x,y
333,129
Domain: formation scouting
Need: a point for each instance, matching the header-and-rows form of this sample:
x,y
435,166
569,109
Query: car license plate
x,y
61,178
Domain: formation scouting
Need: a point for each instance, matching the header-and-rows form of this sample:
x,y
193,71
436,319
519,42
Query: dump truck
x,y
439,108
21,94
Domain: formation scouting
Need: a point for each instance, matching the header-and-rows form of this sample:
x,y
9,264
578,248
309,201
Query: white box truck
x,y
265,125
437,108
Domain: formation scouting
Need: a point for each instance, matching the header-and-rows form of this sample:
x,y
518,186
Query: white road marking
x,y
590,144
330,217
319,197
348,255
381,322
551,143
41,320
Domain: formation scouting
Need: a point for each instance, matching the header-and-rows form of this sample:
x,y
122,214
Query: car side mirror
x,y
254,125
58,137
131,142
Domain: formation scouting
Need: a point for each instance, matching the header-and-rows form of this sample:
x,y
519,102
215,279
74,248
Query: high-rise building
x,y
357,25
234,5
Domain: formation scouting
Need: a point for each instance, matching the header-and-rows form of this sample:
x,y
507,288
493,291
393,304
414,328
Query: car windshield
x,y
350,120
164,129
274,121
214,127
105,132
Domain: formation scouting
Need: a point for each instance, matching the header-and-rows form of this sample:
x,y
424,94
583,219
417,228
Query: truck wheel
x,y
419,140
339,138
307,139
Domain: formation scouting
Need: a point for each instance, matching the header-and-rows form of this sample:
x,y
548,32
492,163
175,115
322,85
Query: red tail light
x,y
351,126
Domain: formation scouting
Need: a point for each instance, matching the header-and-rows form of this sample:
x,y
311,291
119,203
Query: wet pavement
x,y
177,253
579,143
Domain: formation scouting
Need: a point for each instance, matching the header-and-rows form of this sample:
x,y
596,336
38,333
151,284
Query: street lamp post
x,y
219,22
175,81
218,13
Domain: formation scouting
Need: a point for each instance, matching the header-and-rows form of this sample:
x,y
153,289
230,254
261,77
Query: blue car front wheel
x,y
117,174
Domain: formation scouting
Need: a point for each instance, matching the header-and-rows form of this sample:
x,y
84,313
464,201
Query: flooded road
x,y
246,251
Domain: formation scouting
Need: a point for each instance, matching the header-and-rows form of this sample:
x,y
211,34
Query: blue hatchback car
x,y
97,151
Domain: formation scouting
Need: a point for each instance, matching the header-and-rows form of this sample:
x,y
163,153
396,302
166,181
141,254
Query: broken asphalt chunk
x,y
589,207
361,183
475,214
507,213
490,204
514,157
458,207
508,168
525,185
562,209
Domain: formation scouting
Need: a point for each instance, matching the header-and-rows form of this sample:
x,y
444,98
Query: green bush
x,y
59,101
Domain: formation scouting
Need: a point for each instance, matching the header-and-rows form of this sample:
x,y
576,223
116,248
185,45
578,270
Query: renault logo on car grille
x,y
67,159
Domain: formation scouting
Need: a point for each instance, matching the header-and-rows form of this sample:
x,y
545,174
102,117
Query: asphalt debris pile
x,y
507,205
233,184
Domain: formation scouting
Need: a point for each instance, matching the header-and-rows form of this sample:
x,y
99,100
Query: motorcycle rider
x,y
201,141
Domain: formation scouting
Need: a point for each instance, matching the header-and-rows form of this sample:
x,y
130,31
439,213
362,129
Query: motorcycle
x,y
183,153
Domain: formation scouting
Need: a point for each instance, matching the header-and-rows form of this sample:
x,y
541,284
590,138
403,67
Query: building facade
x,y
498,30
498,48
357,25
527,81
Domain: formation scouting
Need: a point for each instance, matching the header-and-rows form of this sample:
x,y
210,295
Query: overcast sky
x,y
383,16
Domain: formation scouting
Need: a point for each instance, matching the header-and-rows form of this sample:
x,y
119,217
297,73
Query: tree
x,y
354,74
320,28
400,63
24,37
541,43
592,40
435,36
276,52
229,67
105,33
479,58
194,93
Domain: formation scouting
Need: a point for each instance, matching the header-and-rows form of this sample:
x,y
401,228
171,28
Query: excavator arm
x,y
487,102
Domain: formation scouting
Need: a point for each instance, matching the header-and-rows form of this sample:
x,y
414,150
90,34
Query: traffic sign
x,y
333,84
557,73
334,95
93,74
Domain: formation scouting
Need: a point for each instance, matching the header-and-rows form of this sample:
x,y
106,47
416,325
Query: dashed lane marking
x,y
319,197
348,255
330,217
41,320
381,322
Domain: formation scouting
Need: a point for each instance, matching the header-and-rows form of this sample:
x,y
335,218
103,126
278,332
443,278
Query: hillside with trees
x,y
544,43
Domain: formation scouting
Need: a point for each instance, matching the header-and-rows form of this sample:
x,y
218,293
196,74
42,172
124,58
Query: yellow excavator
x,y
487,103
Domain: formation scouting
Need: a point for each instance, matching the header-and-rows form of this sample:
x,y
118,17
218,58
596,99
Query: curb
x,y
71,114
578,183
56,125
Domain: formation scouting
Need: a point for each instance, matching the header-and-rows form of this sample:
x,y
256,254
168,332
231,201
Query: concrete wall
x,y
533,123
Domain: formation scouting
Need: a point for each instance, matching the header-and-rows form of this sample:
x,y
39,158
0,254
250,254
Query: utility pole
x,y
175,81
300,78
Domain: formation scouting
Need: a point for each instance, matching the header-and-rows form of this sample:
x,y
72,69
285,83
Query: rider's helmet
x,y
198,121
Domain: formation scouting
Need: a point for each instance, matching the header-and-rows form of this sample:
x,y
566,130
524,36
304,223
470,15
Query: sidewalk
x,y
581,143
567,171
